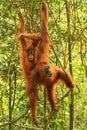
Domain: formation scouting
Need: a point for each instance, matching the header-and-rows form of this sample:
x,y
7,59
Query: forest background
x,y
68,34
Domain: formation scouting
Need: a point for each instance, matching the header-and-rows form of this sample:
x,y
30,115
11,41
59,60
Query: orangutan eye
x,y
30,52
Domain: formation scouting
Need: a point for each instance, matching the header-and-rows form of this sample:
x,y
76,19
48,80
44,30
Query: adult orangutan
x,y
43,72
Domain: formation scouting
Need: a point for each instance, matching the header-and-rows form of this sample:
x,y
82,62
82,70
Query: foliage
x,y
13,99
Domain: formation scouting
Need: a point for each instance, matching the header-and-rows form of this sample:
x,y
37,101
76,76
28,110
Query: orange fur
x,y
34,72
